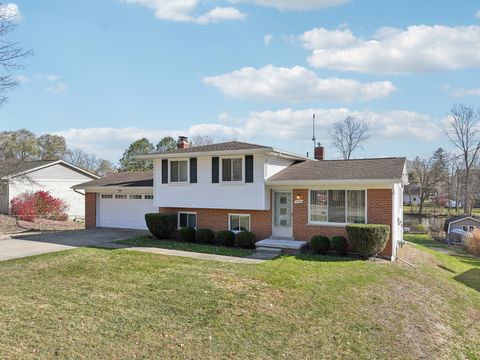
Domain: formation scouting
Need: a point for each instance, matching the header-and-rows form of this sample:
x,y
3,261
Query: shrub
x,y
320,244
339,245
40,204
162,226
368,239
245,239
226,238
472,243
188,234
205,236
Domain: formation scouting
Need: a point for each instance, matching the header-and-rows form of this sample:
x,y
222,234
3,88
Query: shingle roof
x,y
360,169
124,179
21,167
456,218
226,146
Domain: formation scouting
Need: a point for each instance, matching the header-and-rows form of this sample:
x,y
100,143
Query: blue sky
x,y
107,72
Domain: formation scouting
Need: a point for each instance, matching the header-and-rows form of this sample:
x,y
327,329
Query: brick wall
x,y
217,219
379,211
90,210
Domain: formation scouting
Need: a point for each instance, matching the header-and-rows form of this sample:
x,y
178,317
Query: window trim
x,y
150,196
121,197
170,171
220,166
336,224
239,215
108,196
187,213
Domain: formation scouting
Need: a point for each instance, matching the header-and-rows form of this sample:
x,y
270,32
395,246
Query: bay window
x,y
178,171
337,206
232,169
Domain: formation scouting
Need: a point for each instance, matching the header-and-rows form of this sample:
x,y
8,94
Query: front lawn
x,y
116,304
148,241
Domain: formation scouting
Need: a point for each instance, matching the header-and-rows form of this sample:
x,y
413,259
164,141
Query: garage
x,y
124,211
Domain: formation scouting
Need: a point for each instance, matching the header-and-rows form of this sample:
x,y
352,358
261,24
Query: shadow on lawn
x,y
470,278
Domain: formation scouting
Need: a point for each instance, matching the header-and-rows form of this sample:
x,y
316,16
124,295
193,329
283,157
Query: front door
x,y
282,214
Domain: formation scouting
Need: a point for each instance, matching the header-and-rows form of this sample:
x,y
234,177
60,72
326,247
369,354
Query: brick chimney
x,y
182,142
319,152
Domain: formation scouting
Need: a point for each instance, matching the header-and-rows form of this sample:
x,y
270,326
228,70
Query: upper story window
x,y
178,171
232,169
337,206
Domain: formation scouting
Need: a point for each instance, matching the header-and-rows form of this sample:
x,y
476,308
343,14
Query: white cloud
x,y
267,39
416,49
295,84
184,11
284,126
298,5
461,91
57,88
10,12
22,79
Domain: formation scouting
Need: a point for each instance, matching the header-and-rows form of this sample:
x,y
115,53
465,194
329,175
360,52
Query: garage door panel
x,y
124,213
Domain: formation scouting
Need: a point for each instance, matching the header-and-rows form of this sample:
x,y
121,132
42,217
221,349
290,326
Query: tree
x,y
105,167
128,162
166,144
51,147
348,135
199,140
463,132
89,162
20,145
10,54
427,176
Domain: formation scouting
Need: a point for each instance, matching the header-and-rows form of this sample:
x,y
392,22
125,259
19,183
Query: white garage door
x,y
124,211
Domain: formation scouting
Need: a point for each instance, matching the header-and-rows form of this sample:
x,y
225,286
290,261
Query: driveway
x,y
28,244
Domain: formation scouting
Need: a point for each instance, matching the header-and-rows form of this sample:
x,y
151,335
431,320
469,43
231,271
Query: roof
x,y
123,180
225,146
359,169
18,168
458,218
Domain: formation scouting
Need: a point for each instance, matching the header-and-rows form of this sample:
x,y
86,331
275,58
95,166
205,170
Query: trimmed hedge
x,y
205,236
320,244
339,244
226,238
188,234
245,240
368,239
162,226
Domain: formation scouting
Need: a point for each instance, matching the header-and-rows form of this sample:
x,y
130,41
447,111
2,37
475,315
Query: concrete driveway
x,y
28,244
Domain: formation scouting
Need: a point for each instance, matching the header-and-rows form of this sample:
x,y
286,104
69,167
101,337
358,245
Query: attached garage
x,y
119,200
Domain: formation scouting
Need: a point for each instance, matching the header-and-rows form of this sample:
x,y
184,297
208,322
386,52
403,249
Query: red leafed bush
x,y
29,206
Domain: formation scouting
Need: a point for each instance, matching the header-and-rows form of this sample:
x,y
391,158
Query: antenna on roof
x,y
313,128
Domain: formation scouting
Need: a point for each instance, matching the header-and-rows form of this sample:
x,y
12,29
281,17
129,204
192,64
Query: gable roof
x,y
455,219
331,170
23,167
121,180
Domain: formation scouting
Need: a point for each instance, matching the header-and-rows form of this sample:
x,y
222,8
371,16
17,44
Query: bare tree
x,y
348,135
199,140
463,132
427,175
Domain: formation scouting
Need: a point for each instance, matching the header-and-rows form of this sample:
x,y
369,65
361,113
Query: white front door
x,y
282,214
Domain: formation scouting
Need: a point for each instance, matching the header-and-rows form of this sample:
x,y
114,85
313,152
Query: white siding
x,y
275,165
58,180
204,194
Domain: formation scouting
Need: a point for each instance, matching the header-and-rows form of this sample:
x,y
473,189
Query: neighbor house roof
x,y
332,170
13,169
122,180
455,219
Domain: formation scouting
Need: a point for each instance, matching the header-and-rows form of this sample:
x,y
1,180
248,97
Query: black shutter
x,y
193,170
249,168
215,170
164,171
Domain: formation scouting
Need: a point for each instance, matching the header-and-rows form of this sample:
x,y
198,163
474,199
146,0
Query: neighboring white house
x,y
57,177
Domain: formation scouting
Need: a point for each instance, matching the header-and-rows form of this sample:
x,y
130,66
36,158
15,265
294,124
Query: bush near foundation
x,y
205,236
368,239
245,240
225,238
29,206
188,234
339,244
162,226
320,244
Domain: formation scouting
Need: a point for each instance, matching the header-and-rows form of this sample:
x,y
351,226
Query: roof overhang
x,y
116,189
337,182
76,168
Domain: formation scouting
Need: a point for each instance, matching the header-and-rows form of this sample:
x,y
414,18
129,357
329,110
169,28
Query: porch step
x,y
284,246
269,250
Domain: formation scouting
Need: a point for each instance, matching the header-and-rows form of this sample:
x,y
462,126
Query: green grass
x,y
147,241
116,304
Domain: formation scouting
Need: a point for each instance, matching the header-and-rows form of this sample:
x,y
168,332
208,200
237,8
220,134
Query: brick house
x,y
271,192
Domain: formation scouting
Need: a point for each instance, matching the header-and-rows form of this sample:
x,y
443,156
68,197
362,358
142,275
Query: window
x,y
338,206
239,222
149,197
120,196
232,169
178,171
471,228
136,197
186,219
107,196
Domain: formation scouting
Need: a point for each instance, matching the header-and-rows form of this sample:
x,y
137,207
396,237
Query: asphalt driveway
x,y
28,244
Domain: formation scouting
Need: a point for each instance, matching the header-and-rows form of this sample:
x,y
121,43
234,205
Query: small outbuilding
x,y
460,225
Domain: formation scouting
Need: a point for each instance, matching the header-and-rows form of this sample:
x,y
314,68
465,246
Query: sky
x,y
107,72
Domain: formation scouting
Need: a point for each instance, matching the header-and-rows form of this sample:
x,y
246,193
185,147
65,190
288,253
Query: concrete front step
x,y
284,246
269,250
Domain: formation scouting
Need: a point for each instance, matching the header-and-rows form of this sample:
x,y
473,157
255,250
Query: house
x,y
411,195
271,192
458,227
56,177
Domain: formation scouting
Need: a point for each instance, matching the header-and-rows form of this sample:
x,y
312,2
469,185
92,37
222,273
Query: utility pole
x,y
313,128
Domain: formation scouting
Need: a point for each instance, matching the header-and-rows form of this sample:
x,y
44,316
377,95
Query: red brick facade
x,y
90,210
